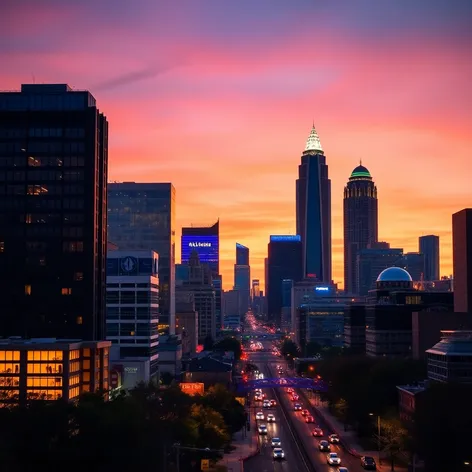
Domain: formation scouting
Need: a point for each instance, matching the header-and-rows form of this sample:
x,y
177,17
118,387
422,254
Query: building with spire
x,y
360,222
313,194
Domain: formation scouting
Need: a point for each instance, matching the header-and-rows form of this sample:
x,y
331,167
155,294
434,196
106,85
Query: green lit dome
x,y
360,172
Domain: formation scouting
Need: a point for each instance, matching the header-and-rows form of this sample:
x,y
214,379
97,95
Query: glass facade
x,y
53,179
142,216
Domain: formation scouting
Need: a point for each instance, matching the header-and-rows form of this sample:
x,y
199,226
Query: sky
x,y
218,97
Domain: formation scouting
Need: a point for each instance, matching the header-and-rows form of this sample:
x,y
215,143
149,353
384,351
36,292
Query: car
x,y
333,459
278,453
324,446
271,418
309,419
297,407
273,403
317,432
305,412
290,390
343,469
266,404
257,398
262,429
333,439
259,415
295,397
368,463
275,442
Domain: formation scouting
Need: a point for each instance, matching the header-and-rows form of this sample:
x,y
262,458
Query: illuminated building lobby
x,y
50,369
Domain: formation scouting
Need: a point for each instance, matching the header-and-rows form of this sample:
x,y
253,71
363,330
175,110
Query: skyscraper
x,y
360,222
142,216
53,234
284,262
429,246
242,276
313,194
462,259
205,240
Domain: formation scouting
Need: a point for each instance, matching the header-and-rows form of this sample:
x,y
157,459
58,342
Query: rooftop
x,y
453,343
313,143
360,172
394,274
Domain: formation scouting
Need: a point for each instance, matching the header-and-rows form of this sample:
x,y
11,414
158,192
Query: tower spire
x,y
313,143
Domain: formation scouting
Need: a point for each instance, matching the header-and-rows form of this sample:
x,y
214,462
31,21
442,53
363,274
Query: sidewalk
x,y
246,445
349,438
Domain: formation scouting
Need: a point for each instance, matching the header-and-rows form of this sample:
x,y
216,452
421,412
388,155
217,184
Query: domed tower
x,y
360,222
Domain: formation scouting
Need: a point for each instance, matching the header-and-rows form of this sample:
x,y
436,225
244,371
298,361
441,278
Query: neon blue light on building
x,y
207,248
281,238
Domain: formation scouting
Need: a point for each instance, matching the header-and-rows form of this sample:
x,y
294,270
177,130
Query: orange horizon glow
x,y
219,98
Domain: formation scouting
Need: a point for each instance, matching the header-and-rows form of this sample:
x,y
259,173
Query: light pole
x,y
378,432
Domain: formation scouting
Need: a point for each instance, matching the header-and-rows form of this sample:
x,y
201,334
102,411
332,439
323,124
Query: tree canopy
x,y
229,344
289,349
129,432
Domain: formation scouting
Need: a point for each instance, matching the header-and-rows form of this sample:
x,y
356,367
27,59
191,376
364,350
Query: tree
x,y
289,349
229,344
392,438
166,378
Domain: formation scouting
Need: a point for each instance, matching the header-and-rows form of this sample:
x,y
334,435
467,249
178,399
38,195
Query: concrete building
x,y
450,360
53,197
186,324
462,260
170,355
372,261
133,307
429,246
51,369
141,216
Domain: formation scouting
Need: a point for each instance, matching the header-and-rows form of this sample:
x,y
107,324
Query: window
x,y
79,320
86,376
73,355
2,246
74,392
32,381
86,364
86,352
45,356
9,355
27,289
74,366
78,276
66,291
43,394
74,380
9,368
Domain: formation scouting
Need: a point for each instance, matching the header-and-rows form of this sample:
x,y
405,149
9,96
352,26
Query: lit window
x,y
28,218
27,289
2,246
79,320
66,291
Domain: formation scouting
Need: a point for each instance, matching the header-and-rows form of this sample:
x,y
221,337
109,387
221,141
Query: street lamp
x,y
378,432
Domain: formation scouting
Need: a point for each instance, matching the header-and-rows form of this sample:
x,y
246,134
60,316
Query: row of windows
x,y
132,285
131,329
37,204
35,368
132,297
39,161
52,147
56,132
45,356
9,381
49,394
44,382
9,355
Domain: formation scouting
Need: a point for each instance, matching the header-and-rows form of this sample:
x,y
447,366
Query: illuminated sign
x,y
285,238
322,289
192,388
131,370
198,244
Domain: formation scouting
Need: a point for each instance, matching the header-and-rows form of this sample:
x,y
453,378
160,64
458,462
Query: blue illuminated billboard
x,y
206,246
288,237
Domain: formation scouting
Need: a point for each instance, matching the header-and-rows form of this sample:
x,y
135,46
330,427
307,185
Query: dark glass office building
x,y
313,194
284,262
53,199
360,222
242,276
206,241
429,246
142,216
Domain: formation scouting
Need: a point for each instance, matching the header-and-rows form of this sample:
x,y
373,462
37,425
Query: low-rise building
x,y
52,369
209,371
409,398
450,360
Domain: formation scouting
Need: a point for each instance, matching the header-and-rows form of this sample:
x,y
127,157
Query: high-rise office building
x,y
142,216
284,262
313,194
429,246
413,263
360,222
53,232
205,240
372,261
462,259
242,276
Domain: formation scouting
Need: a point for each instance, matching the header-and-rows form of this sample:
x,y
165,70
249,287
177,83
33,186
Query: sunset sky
x,y
218,97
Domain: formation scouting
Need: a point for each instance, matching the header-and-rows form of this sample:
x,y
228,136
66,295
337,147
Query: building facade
x,y
133,307
462,259
313,208
354,327
141,216
413,263
53,219
371,262
360,207
429,246
52,369
242,277
284,262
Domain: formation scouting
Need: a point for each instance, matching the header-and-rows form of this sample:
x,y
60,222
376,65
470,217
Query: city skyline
x,y
171,118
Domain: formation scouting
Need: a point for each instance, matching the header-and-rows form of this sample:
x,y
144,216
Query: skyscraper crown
x,y
313,143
